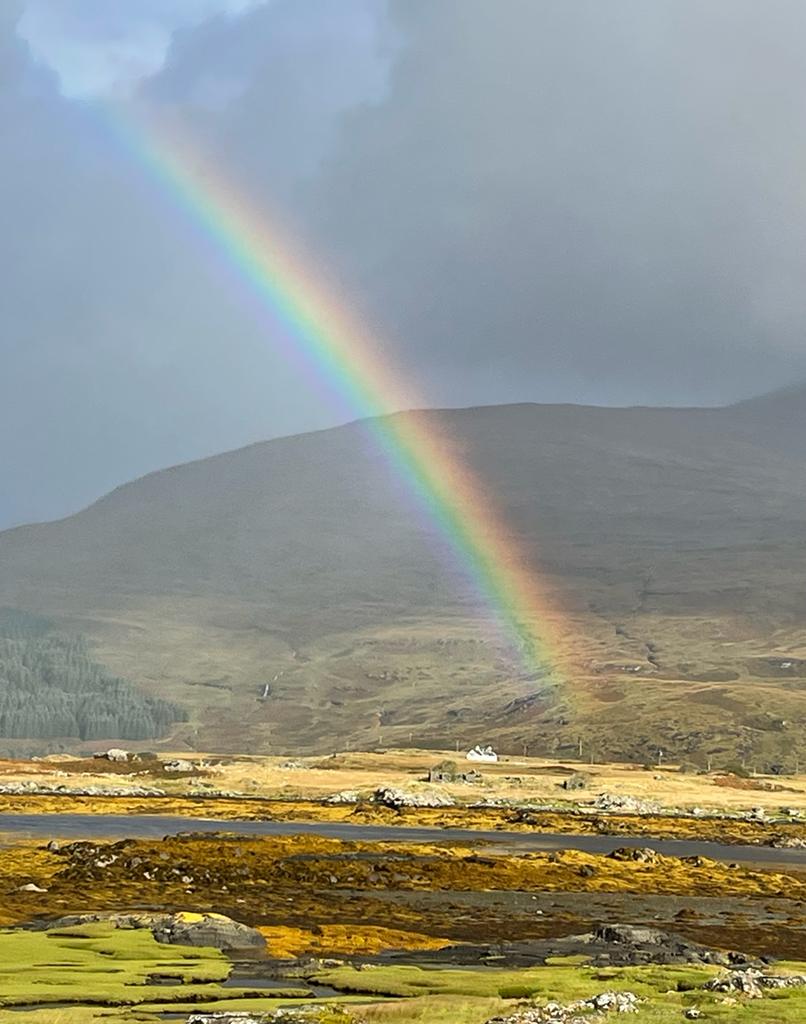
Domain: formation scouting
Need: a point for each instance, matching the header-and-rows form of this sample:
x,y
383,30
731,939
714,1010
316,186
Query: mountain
x,y
291,596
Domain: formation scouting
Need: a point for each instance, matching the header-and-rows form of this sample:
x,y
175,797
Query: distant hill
x,y
674,539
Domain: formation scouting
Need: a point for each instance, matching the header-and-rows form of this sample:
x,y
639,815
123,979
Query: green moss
x,y
95,966
98,964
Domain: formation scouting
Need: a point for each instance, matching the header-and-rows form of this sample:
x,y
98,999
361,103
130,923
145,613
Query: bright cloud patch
x,y
107,47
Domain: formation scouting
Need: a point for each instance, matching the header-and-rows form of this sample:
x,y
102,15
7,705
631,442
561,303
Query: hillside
x,y
673,540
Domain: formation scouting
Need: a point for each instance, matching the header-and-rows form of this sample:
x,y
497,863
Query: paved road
x,y
120,826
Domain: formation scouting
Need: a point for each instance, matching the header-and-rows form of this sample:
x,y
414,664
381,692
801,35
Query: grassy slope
x,y
671,538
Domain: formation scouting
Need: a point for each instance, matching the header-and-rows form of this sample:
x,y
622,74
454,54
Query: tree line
x,y
50,687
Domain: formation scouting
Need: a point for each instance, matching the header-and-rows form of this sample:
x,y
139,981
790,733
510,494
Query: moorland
x,y
301,926
289,597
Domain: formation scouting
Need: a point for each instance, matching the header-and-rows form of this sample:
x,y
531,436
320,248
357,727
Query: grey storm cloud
x,y
531,199
585,200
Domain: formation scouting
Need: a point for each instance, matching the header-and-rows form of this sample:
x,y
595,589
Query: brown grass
x,y
520,779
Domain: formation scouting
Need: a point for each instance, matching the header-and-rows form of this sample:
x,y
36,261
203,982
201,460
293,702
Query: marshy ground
x,y
391,931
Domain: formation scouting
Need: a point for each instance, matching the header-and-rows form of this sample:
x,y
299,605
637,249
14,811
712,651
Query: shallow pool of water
x,y
145,826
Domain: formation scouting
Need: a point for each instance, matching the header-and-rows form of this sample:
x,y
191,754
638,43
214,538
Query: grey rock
x,y
752,982
346,796
206,930
392,796
578,1012
179,765
624,804
179,929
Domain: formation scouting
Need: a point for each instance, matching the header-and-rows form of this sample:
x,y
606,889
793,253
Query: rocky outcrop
x,y
345,796
789,843
392,796
31,788
302,1015
639,854
179,765
629,944
624,804
611,945
580,1012
752,983
60,789
182,929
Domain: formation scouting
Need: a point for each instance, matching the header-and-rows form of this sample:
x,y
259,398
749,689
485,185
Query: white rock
x,y
346,796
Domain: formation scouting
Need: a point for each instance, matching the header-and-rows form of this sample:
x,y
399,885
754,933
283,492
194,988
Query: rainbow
x,y
343,353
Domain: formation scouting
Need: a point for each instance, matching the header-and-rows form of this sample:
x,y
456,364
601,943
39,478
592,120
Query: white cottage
x,y
485,754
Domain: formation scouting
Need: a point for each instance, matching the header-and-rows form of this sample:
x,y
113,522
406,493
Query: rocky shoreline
x,y
285,920
396,807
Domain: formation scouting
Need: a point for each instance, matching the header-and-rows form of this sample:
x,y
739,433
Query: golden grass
x,y
519,779
347,940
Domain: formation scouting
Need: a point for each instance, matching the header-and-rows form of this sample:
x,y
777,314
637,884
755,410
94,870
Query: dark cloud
x,y
585,200
267,93
532,199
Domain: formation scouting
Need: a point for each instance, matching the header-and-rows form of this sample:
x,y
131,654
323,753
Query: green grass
x,y
560,983
102,974
466,996
98,965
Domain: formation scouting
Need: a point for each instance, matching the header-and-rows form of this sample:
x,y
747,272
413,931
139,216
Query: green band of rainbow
x,y
351,362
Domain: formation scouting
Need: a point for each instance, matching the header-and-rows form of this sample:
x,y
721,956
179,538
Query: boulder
x,y
186,929
113,754
632,935
181,929
641,854
179,765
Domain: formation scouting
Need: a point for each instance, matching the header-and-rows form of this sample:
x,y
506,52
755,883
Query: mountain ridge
x,y
671,538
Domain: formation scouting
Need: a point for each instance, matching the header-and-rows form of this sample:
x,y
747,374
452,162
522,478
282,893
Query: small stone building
x,y
448,771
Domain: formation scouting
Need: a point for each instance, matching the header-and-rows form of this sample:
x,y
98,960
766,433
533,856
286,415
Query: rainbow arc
x,y
340,351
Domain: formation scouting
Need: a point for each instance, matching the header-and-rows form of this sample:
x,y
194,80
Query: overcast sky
x,y
534,200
